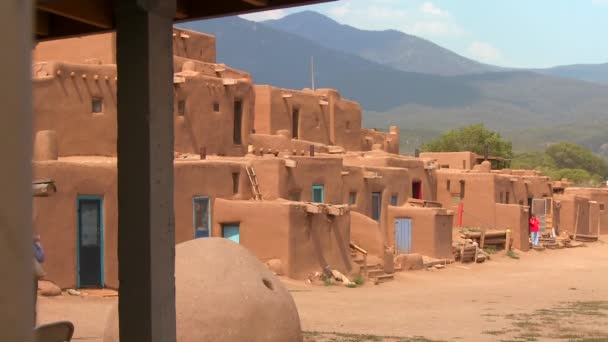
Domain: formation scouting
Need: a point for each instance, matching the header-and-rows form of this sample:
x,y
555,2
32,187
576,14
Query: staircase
x,y
255,186
371,271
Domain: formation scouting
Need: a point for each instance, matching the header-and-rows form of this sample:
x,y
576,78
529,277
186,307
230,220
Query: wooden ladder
x,y
253,179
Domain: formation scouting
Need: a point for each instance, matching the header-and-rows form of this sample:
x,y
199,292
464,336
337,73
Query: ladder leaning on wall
x,y
253,179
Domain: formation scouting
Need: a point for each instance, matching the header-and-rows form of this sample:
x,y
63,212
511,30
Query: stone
x,y
224,293
410,262
48,288
276,266
439,266
73,292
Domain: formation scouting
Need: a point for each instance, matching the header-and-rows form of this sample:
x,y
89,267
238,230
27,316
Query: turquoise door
x,y
90,241
403,235
231,232
318,193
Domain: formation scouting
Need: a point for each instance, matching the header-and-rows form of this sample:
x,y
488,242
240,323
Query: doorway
x,y
231,232
376,208
238,122
90,241
202,217
417,189
403,235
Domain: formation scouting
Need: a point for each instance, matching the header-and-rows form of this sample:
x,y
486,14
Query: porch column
x,y
16,253
146,239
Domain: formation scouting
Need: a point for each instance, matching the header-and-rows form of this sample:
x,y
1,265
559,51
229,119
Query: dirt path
x,y
549,295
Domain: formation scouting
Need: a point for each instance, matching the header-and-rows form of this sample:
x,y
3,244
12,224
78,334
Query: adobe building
x,y
283,172
599,195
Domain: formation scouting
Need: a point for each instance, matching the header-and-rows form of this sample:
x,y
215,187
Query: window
x,y
417,190
462,185
376,198
295,122
181,107
235,182
238,118
202,217
295,196
97,105
395,199
348,125
216,106
501,197
602,207
318,195
352,197
448,185
507,198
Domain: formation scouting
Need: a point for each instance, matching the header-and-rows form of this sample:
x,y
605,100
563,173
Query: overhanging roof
x,y
64,18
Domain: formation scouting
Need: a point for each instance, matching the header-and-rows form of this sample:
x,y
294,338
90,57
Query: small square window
x,y
448,185
181,107
395,199
97,105
352,198
216,106
602,206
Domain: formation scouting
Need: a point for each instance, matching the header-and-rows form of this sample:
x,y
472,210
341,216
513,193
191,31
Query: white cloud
x,y
266,15
340,11
430,8
484,52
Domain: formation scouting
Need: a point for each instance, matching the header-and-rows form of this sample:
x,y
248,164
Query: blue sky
x,y
515,33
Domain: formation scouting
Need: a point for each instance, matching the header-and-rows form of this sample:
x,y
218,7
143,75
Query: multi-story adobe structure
x,y
292,177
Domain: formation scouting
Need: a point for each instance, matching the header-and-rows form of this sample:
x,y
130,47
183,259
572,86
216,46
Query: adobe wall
x,y
597,195
101,48
515,218
326,171
431,230
202,126
273,112
188,66
345,120
479,196
204,178
304,242
282,142
55,219
453,160
569,206
388,142
366,233
62,102
594,218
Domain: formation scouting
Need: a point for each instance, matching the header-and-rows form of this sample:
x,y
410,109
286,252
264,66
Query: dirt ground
x,y
551,295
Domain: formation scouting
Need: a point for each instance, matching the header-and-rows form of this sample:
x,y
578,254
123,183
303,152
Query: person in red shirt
x,y
534,226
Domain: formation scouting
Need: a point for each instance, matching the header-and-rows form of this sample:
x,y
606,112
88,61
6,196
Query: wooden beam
x,y
259,3
41,25
93,12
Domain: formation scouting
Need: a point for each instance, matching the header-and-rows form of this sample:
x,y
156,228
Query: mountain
x,y
520,104
597,73
393,48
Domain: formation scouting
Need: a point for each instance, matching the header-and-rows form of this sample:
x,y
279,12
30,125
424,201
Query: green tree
x,y
568,155
472,138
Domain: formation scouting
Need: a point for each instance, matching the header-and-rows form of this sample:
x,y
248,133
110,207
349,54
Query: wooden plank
x,y
93,12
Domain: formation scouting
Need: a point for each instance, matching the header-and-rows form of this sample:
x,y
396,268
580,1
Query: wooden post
x,y
312,150
482,239
578,209
508,240
460,213
203,153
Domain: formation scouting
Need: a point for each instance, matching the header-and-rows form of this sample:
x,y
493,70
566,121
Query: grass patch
x,y
490,249
512,254
359,280
495,332
315,336
351,285
329,282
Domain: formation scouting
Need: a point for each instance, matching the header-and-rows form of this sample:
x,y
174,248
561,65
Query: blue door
x,y
202,217
90,241
231,232
403,235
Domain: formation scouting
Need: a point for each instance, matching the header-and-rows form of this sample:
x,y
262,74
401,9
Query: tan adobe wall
x,y
201,126
345,120
273,112
453,160
431,230
55,218
571,208
388,142
282,142
101,48
62,102
326,171
597,195
187,66
515,218
366,233
304,242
